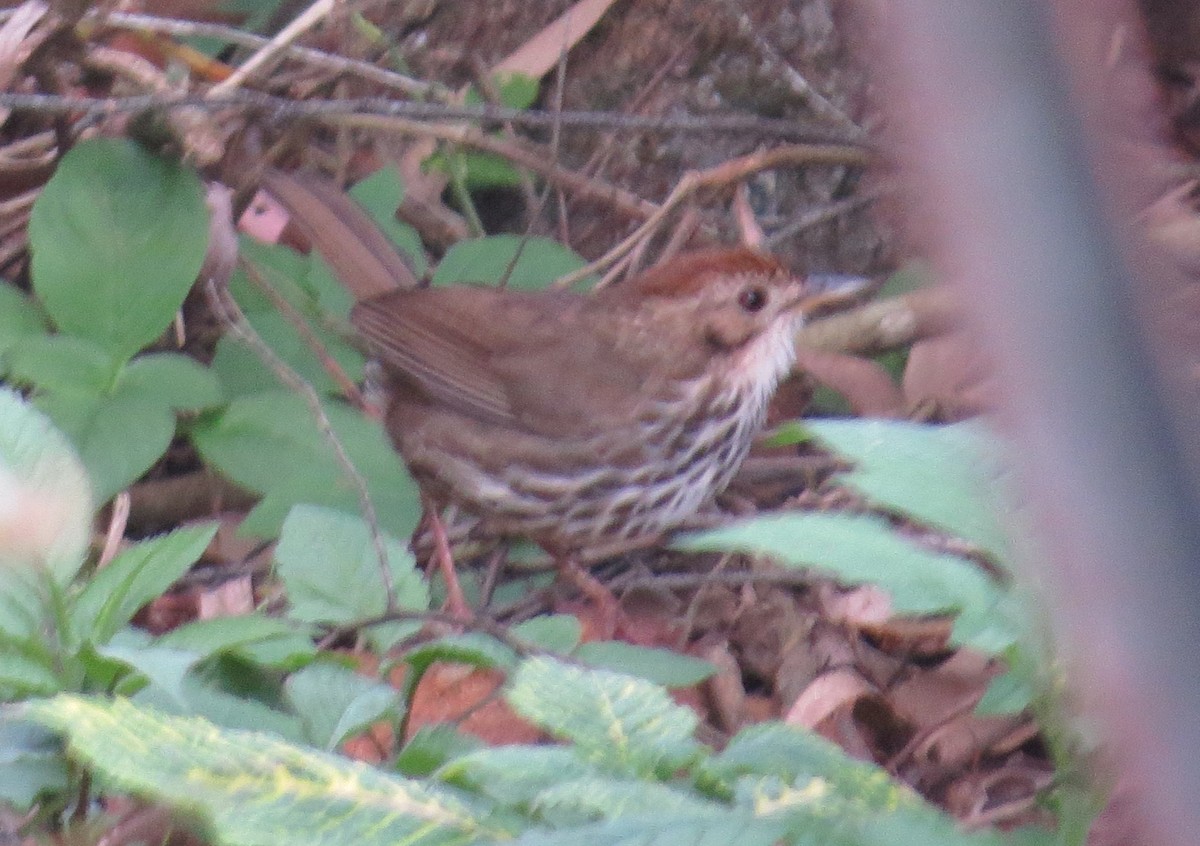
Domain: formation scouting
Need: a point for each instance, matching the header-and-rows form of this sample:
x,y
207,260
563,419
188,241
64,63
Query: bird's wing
x,y
530,361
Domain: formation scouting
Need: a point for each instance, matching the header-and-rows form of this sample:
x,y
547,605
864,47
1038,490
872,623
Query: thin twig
x,y
724,174
231,315
303,22
331,110
309,55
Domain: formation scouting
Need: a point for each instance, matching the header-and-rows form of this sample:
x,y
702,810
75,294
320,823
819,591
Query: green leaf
x,y
31,762
380,194
788,433
19,318
62,363
119,437
133,578
329,567
25,673
199,697
41,472
558,633
270,444
515,90
661,666
172,380
515,775
487,260
619,722
946,476
1006,694
431,747
335,702
859,548
243,374
474,649
735,828
157,666
118,236
267,641
251,788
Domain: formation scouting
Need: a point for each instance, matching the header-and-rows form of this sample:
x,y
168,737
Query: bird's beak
x,y
826,293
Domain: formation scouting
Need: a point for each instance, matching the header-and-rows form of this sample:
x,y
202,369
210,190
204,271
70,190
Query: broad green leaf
x,y
331,572
618,722
515,90
859,548
118,437
270,444
515,775
431,747
487,260
788,433
243,374
1006,694
198,697
19,318
472,648
118,236
381,194
158,666
661,666
24,674
558,633
45,490
334,702
133,578
31,762
579,800
172,380
946,476
252,788
735,827
793,755
268,641
62,363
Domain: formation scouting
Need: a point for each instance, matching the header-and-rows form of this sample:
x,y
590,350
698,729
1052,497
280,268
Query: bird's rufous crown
x,y
689,273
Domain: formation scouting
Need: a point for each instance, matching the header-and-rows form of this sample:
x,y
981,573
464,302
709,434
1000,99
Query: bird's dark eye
x,y
752,299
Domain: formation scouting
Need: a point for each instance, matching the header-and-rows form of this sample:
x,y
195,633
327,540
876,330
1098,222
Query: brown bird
x,y
587,422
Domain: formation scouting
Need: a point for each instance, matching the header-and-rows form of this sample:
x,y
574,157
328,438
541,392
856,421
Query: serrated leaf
x,y
117,236
172,380
661,666
269,444
619,722
133,578
252,788
335,702
330,570
946,476
42,484
487,260
572,801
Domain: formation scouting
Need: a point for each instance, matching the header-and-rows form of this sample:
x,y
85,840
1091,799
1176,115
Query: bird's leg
x,y
607,608
455,601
